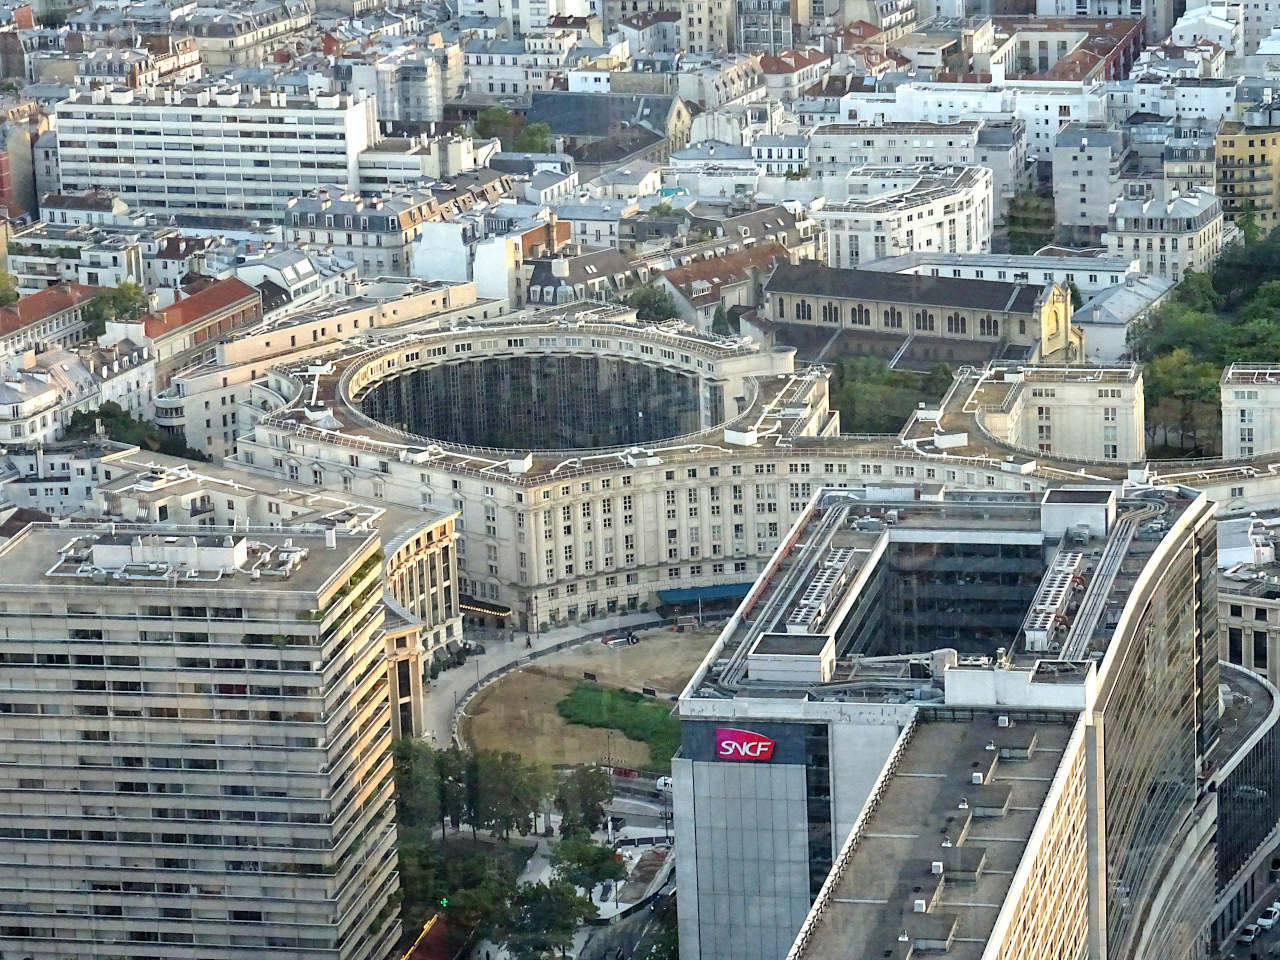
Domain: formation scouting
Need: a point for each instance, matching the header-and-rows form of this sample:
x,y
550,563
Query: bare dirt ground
x,y
518,712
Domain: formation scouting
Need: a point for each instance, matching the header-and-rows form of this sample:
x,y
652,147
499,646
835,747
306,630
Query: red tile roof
x,y
213,299
789,61
732,267
47,303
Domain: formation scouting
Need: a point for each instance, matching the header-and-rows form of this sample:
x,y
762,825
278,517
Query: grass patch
x,y
636,716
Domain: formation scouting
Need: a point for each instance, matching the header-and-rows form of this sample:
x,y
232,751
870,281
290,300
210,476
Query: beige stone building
x,y
1077,412
1169,234
197,736
945,310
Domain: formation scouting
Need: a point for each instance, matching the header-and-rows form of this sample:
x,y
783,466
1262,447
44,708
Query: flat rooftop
x,y
1078,496
831,574
1246,703
117,556
874,900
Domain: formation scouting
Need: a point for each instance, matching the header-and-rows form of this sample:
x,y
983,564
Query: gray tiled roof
x,y
813,279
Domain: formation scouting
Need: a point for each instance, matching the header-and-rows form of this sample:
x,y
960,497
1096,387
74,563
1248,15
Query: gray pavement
x,y
447,692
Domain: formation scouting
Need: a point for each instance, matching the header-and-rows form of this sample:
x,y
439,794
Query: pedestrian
x,y
528,643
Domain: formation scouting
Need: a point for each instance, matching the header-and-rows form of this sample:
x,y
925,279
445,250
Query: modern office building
x,y
985,725
211,149
197,744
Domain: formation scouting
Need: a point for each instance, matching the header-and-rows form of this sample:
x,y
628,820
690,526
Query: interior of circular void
x,y
545,402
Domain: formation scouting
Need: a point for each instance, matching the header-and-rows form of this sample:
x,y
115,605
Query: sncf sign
x,y
734,744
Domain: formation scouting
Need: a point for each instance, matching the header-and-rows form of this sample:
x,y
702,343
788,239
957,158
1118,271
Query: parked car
x,y
1249,934
1267,919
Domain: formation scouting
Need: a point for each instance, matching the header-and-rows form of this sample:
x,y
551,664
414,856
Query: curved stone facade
x,y
582,534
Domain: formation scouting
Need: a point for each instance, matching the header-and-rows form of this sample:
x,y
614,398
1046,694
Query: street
x,y
1268,942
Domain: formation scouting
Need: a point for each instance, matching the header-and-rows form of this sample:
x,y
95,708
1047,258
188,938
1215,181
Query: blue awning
x,y
717,591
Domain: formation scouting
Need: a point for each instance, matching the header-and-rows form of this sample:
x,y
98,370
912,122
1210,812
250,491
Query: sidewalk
x,y
449,690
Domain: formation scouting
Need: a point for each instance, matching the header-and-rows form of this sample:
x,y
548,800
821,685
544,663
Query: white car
x,y
1249,934
1268,917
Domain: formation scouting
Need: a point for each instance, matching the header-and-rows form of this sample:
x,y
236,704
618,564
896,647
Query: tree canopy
x,y
652,304
534,138
1210,321
120,426
494,122
585,863
125,302
542,919
872,398
1030,221
8,289
581,797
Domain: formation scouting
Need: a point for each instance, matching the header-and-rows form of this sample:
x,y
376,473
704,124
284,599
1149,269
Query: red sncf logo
x,y
732,744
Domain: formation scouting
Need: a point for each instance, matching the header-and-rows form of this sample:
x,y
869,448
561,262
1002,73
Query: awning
x,y
472,605
717,591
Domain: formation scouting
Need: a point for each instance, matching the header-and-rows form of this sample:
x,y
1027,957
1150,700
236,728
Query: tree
x,y
417,787
581,861
1184,393
581,797
542,919
1030,222
651,303
120,426
8,289
1247,224
451,771
1196,292
1077,300
123,303
479,890
511,792
535,138
720,322
937,381
494,122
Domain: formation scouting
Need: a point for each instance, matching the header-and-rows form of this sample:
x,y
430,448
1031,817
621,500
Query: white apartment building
x,y
210,774
781,153
1181,98
1222,24
215,150
1088,162
1250,410
40,392
1091,275
407,83
894,211
1158,13
715,80
999,145
241,33
1045,106
1081,413
1169,234
707,26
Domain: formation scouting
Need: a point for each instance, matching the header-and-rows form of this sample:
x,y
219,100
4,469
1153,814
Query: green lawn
x,y
638,717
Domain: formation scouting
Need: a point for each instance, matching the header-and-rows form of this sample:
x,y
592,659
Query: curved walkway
x,y
450,691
